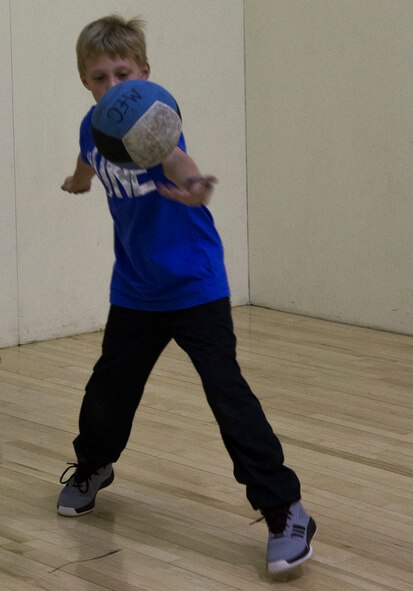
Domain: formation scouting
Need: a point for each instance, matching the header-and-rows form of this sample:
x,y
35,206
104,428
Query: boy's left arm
x,y
190,187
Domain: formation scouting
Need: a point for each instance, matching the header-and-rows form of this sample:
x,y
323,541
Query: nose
x,y
112,81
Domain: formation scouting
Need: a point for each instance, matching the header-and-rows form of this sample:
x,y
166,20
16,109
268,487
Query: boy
x,y
169,282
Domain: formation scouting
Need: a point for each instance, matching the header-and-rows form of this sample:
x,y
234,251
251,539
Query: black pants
x,y
132,343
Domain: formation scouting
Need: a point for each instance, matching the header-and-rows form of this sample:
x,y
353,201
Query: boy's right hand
x,y
81,180
76,187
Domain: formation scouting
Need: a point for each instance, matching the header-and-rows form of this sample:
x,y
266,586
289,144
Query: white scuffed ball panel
x,y
153,136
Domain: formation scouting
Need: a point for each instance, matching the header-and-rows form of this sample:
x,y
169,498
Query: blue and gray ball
x,y
136,123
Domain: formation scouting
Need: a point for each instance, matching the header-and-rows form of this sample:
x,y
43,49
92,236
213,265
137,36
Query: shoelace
x,y
276,519
81,476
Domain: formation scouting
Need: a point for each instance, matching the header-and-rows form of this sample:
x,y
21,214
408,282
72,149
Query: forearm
x,y
179,167
83,173
189,186
81,179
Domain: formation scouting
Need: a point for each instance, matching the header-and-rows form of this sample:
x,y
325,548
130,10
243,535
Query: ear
x,y
146,71
85,84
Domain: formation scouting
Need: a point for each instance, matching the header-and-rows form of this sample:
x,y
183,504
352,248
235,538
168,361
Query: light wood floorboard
x,y
340,399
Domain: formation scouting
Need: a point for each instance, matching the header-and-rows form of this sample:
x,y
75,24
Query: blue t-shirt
x,y
167,256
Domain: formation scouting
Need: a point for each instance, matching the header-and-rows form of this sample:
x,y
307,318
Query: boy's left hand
x,y
195,192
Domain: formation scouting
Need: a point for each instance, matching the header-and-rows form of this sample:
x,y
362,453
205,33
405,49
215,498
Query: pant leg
x,y
132,343
206,334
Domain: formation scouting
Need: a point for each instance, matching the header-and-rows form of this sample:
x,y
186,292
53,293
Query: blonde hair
x,y
113,36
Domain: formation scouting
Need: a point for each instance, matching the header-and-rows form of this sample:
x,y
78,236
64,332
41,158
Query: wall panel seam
x,y
14,172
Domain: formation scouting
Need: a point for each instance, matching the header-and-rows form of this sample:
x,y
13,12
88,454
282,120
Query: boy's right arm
x,y
81,179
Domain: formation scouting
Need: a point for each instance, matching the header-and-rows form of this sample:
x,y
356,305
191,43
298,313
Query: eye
x,y
98,78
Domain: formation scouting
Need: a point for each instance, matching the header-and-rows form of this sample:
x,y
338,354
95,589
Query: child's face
x,y
103,72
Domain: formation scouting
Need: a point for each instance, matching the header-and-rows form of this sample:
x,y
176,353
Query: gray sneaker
x,y
78,496
290,533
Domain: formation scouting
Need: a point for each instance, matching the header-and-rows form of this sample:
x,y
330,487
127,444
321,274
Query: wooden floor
x,y
340,398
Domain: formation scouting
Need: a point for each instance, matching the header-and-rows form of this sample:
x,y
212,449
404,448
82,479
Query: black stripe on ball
x,y
111,148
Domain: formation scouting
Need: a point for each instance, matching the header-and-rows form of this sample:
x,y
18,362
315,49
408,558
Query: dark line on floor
x,y
84,560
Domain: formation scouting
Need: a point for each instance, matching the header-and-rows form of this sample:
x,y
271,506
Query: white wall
x,y
330,176
330,160
64,243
